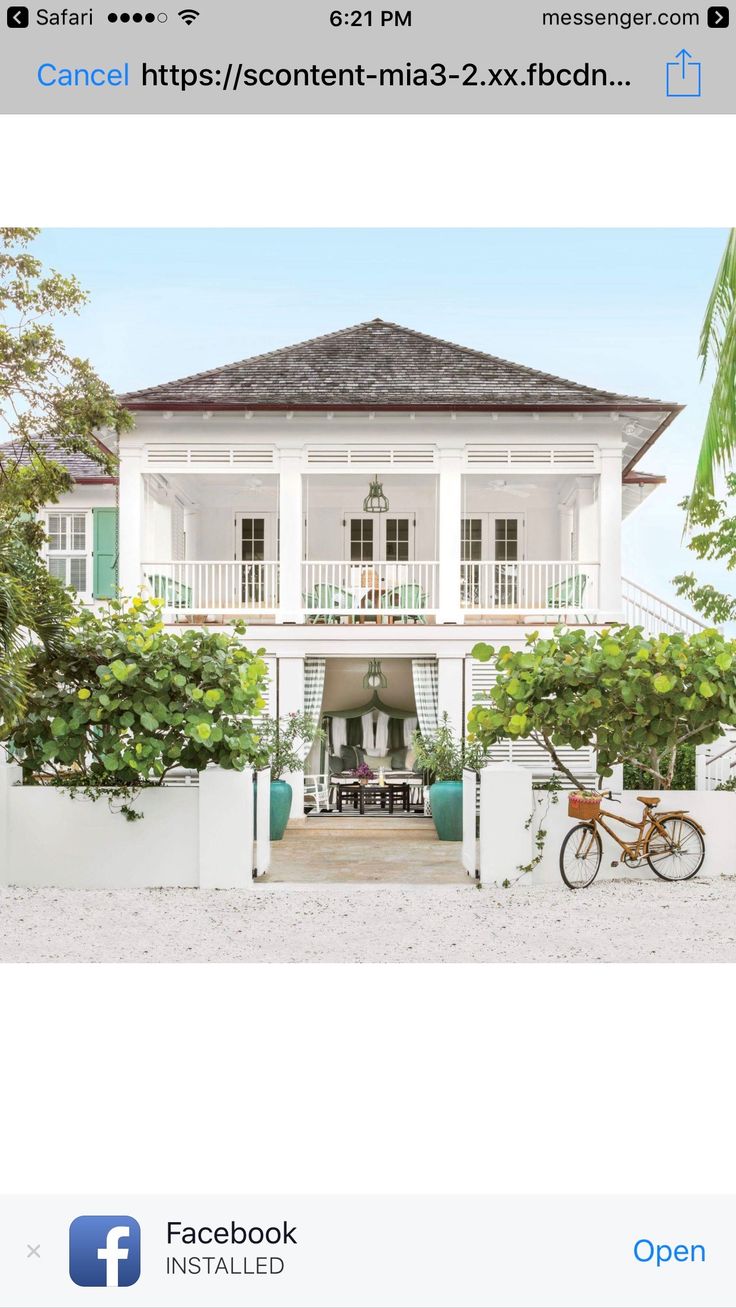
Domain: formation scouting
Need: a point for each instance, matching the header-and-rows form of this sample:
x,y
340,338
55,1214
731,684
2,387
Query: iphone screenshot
x,y
367,655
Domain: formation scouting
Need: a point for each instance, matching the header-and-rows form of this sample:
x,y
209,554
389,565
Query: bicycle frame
x,y
650,822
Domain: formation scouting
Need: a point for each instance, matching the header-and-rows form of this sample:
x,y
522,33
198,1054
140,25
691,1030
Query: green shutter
x,y
105,557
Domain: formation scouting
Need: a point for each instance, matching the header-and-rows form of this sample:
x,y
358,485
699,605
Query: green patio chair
x,y
567,595
409,597
174,594
325,597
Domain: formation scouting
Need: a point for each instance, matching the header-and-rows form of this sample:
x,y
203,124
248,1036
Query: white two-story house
x,y
372,503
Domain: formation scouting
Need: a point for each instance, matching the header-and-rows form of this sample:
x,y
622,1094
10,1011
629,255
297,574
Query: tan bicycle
x,y
672,843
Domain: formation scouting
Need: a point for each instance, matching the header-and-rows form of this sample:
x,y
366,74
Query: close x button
x,y
718,16
17,16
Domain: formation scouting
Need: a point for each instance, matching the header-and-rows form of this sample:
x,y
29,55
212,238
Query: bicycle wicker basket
x,y
583,807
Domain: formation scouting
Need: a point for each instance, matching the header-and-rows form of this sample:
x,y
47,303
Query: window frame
x,y
69,554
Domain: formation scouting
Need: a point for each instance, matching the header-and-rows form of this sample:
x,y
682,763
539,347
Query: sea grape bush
x,y
634,698
121,700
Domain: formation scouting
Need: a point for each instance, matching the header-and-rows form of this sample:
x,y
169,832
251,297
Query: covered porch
x,y
421,550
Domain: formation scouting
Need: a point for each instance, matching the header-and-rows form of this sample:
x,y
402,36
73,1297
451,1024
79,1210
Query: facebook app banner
x,y
104,1251
474,1251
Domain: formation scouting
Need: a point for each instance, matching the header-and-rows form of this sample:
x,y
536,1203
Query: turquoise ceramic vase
x,y
280,808
446,798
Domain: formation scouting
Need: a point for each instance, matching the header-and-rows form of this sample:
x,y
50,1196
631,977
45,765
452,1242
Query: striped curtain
x,y
424,673
314,684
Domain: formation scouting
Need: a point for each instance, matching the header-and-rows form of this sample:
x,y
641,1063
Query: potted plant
x,y
284,745
444,756
363,773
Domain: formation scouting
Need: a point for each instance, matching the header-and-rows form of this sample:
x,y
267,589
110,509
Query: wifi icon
x,y
188,16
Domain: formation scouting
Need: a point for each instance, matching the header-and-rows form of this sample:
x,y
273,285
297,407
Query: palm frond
x,y
718,345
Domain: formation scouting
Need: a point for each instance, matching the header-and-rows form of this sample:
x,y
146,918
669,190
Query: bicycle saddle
x,y
649,801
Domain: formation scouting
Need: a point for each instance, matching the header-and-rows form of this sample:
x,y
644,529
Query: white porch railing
x,y
533,587
655,615
191,586
380,589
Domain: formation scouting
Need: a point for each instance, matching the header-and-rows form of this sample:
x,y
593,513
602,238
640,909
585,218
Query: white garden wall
x,y
200,835
506,843
715,811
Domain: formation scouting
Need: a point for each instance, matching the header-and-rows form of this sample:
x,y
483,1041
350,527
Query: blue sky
x,y
620,309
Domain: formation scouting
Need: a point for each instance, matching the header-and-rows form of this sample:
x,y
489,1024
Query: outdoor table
x,y
360,795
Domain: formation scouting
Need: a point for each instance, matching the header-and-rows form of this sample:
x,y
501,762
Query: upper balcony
x,y
469,548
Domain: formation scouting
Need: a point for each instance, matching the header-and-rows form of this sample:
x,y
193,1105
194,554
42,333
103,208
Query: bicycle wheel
x,y
679,854
580,856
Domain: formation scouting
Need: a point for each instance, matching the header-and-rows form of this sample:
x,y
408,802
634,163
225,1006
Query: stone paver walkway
x,y
370,852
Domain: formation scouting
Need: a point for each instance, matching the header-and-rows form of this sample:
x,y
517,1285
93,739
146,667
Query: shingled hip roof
x,y
379,365
82,468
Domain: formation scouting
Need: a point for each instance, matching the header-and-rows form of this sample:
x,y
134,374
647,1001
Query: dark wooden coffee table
x,y
373,795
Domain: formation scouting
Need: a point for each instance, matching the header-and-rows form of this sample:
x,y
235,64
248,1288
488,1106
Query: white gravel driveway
x,y
616,921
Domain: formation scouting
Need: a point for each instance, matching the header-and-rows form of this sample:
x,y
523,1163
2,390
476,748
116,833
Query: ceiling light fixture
x,y
374,679
375,501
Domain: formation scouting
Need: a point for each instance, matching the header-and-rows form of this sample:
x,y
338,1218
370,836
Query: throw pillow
x,y
398,758
336,764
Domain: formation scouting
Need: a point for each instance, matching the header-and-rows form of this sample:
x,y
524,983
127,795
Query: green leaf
x,y
149,722
83,693
517,724
119,670
706,689
58,727
662,684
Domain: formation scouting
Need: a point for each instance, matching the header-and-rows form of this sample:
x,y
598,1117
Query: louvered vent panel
x,y
247,454
328,455
210,454
219,455
364,456
519,456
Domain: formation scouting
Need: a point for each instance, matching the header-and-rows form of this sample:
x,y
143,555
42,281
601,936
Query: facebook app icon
x,y
105,1251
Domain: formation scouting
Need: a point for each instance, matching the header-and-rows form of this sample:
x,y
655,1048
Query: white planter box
x,y
189,836
715,811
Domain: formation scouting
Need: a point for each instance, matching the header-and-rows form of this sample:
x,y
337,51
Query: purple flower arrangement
x,y
363,773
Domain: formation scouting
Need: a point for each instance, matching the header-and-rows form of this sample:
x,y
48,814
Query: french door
x,y
254,543
493,538
384,538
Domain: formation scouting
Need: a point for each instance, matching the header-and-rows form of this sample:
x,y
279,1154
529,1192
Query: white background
x,y
330,1079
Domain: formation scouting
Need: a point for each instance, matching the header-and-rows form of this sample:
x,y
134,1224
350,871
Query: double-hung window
x,y
69,548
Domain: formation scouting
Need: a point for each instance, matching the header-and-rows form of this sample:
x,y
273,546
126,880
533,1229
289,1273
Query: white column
x,y
225,829
450,692
609,534
450,511
290,537
130,526
506,801
291,700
